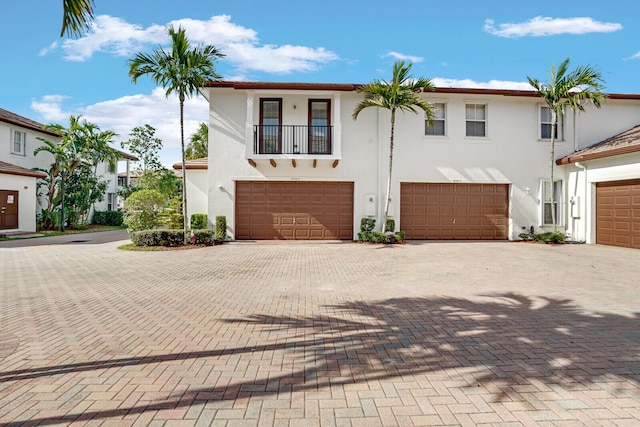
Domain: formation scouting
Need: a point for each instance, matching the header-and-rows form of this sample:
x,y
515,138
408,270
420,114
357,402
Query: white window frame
x,y
440,110
111,201
545,200
559,129
485,120
22,143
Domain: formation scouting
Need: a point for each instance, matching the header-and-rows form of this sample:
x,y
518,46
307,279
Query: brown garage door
x,y
294,210
618,213
454,211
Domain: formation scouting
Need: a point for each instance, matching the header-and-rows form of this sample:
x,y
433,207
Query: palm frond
x,y
76,15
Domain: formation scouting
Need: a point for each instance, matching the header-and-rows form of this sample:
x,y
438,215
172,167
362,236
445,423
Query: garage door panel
x,y
294,210
454,211
618,213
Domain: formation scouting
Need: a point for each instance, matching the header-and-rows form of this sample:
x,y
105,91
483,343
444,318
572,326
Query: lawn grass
x,y
132,247
48,233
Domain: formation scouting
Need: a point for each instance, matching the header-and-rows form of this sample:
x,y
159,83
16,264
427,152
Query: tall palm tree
x,y
181,70
401,93
570,89
76,15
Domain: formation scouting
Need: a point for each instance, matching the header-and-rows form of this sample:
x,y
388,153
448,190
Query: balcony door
x,y
270,125
319,126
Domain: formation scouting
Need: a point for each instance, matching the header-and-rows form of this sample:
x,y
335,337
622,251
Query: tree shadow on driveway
x,y
500,342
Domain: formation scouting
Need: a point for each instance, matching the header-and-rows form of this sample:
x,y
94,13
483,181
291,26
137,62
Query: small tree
x,y
145,145
567,89
142,209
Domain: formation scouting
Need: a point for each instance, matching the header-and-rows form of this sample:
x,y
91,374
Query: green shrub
x,y
108,217
204,237
221,228
380,237
546,237
390,225
199,221
171,216
142,209
367,224
170,237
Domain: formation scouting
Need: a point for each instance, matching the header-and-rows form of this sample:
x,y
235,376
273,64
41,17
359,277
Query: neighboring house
x,y
197,185
287,161
18,140
603,191
18,198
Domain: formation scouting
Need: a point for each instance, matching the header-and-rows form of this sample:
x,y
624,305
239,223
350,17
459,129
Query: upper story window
x,y
544,114
18,143
437,126
319,141
476,120
270,125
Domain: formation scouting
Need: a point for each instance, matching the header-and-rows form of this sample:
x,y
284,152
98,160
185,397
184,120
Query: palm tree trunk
x,y
388,199
184,173
554,126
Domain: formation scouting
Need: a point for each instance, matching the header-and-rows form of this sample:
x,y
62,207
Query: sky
x,y
488,44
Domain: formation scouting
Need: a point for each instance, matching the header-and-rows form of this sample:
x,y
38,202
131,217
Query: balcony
x,y
292,139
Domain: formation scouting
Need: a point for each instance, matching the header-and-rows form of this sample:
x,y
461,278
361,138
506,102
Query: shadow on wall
x,y
502,343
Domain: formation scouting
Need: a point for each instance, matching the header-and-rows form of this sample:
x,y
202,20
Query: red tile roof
x,y
623,143
349,87
10,169
14,119
201,163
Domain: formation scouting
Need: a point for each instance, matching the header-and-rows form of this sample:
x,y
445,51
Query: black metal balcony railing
x,y
292,139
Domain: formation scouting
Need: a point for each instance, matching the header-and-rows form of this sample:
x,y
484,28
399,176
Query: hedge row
x,y
108,217
170,237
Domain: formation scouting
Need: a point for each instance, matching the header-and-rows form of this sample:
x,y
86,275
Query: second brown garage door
x,y
618,213
296,210
447,211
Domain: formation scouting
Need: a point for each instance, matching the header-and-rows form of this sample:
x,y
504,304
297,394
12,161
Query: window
x,y
18,143
437,127
270,125
319,127
546,124
548,204
109,168
476,120
111,201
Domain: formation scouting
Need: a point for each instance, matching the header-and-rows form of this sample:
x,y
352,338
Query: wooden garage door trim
x,y
454,211
618,213
294,210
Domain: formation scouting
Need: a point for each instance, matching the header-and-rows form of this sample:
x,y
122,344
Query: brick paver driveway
x,y
268,334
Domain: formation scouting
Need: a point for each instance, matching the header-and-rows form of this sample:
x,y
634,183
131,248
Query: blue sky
x,y
457,43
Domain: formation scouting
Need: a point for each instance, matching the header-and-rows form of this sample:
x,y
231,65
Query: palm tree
x,y
181,70
401,93
76,15
199,145
567,89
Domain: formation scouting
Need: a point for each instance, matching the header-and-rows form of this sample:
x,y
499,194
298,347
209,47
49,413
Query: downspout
x,y
584,168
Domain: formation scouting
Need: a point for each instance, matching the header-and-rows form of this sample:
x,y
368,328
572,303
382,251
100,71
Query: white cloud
x,y
53,46
403,57
636,56
240,44
123,114
471,84
545,26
